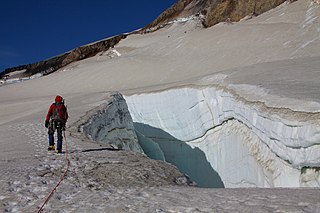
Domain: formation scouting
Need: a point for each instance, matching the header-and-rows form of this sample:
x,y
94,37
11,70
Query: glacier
x,y
110,123
246,143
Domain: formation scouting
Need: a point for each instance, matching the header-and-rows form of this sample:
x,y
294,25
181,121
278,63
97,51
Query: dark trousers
x,y
59,126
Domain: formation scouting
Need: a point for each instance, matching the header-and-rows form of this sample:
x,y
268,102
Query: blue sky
x,y
34,30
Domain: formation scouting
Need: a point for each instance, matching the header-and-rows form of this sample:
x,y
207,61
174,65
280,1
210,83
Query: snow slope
x,y
263,73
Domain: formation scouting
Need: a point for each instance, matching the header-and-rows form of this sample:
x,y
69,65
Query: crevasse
x,y
246,144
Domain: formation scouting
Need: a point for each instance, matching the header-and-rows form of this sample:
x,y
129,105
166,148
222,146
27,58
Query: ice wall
x,y
245,143
112,124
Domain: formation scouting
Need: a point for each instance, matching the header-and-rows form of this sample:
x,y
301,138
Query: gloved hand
x,y
46,124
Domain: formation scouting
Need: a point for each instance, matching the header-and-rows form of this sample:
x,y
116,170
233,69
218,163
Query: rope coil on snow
x,y
61,178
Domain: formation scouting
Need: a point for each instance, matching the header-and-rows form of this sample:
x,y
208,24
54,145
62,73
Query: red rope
x,y
61,178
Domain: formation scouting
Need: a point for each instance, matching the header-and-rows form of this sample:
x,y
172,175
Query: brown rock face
x,y
91,50
215,11
234,10
171,13
50,65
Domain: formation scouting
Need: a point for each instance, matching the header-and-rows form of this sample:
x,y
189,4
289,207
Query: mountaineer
x,y
56,119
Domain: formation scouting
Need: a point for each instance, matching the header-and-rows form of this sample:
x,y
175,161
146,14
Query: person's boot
x,y
50,148
58,151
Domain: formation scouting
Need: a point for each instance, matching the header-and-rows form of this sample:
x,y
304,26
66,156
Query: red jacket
x,y
53,106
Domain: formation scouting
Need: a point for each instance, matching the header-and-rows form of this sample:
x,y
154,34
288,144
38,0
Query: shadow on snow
x,y
160,145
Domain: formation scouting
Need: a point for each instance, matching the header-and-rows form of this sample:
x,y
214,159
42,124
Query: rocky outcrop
x,y
235,10
50,65
92,49
215,11
171,13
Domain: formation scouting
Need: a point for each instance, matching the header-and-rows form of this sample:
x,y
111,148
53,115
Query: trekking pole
x,y
61,178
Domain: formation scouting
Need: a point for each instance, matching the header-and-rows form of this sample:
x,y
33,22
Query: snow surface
x,y
255,62
12,80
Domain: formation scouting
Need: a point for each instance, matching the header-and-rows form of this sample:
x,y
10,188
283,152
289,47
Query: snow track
x,y
31,179
96,173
